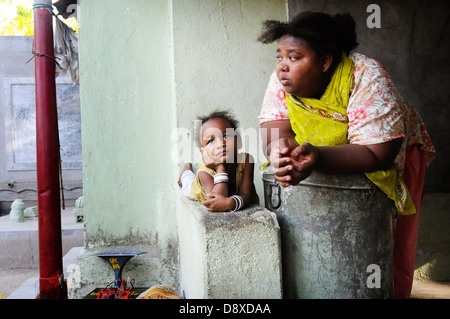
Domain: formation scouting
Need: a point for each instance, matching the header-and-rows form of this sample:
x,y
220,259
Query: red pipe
x,y
51,281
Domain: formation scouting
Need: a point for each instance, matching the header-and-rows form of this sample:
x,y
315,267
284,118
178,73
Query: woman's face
x,y
219,140
299,69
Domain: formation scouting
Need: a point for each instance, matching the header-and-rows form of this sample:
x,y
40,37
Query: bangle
x,y
236,204
239,202
220,178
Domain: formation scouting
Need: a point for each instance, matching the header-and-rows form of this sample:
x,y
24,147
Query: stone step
x,y
19,242
29,289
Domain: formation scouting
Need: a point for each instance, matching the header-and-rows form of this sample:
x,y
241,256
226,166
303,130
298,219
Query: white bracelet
x,y
239,202
220,178
236,204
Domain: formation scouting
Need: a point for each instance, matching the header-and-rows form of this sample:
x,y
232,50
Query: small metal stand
x,y
117,260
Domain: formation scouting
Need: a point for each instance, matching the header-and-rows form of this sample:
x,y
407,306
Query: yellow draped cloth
x,y
324,122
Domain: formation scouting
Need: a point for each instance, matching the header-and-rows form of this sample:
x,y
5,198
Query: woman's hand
x,y
302,161
218,203
279,149
278,143
280,152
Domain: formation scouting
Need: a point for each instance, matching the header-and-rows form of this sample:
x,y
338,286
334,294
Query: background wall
x,y
147,70
18,122
219,64
150,81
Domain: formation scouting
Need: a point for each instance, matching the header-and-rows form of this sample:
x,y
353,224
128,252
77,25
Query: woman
x,y
341,113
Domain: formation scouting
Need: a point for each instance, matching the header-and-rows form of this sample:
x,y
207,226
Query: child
x,y
224,180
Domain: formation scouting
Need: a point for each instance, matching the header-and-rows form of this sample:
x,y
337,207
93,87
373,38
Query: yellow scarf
x,y
324,122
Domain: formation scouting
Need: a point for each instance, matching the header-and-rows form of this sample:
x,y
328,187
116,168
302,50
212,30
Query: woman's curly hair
x,y
325,34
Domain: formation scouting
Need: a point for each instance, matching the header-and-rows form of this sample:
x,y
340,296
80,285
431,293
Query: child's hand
x,y
218,203
209,161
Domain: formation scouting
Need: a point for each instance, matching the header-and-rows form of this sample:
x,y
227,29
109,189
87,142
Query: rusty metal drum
x,y
336,237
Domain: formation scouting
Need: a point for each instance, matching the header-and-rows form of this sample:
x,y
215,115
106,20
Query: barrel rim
x,y
339,181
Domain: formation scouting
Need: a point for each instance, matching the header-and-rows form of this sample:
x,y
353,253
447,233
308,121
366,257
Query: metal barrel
x,y
336,237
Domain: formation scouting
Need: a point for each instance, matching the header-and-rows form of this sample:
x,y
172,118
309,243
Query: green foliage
x,y
16,18
21,20
24,12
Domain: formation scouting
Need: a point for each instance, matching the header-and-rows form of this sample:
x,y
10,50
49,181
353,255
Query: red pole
x,y
51,281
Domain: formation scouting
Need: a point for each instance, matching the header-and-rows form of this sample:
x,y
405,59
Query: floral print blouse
x,y
376,112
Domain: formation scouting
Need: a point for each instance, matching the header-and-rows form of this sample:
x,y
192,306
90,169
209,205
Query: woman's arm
x,y
292,163
348,158
277,136
354,158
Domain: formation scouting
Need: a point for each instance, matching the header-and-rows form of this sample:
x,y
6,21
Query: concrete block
x,y
230,254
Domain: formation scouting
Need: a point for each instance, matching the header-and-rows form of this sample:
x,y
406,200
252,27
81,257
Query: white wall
x,y
219,64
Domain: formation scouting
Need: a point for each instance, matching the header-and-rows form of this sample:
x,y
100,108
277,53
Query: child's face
x,y
219,140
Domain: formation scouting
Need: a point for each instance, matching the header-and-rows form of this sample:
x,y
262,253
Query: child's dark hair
x,y
325,34
224,115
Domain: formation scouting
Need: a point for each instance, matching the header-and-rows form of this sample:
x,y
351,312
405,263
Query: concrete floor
x,y
23,282
431,290
19,259
12,279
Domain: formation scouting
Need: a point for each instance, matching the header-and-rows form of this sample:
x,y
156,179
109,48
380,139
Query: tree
x,y
17,18
19,22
